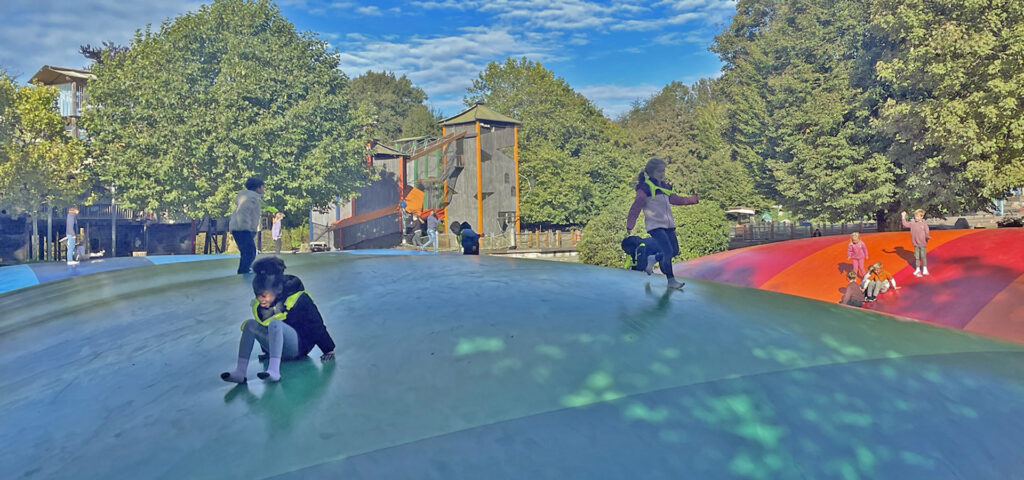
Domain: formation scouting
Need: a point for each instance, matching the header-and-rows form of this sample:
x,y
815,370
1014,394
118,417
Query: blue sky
x,y
612,52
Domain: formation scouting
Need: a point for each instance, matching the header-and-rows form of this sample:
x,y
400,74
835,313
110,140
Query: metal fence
x,y
767,232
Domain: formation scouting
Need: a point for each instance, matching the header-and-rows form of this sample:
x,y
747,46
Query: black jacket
x,y
638,249
305,318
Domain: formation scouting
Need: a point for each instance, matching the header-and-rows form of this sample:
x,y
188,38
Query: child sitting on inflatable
x,y
642,252
853,296
285,321
877,281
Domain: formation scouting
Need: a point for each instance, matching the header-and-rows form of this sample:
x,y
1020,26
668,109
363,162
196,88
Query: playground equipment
x,y
469,174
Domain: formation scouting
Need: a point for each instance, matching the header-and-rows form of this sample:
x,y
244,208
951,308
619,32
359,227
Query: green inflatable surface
x,y
453,367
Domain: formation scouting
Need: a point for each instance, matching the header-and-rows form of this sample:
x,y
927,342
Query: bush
x,y
1011,222
701,229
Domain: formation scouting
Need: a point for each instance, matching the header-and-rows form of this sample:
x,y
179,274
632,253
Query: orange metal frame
x,y
479,184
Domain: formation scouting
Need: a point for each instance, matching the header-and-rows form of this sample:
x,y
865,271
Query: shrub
x,y
1011,222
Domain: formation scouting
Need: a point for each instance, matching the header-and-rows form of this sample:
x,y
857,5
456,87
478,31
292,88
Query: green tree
x,y
802,111
570,154
956,70
686,127
40,165
392,106
217,95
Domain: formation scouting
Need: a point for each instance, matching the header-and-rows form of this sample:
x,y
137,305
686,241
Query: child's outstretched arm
x,y
688,200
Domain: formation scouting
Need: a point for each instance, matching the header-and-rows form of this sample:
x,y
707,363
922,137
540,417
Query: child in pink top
x,y
857,253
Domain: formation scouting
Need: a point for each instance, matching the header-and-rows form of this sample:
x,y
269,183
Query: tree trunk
x,y
35,236
50,253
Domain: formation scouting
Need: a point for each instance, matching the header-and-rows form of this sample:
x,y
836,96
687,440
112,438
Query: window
x,y
512,191
506,179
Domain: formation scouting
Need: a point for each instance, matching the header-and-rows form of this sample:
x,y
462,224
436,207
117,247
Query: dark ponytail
x,y
269,275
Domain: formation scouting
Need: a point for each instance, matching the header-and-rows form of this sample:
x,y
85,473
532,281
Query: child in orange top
x,y
857,252
878,281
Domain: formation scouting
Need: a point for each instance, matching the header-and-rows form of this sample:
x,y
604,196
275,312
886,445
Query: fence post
x,y
558,238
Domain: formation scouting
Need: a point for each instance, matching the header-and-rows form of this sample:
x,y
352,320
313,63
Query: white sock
x,y
237,376
273,372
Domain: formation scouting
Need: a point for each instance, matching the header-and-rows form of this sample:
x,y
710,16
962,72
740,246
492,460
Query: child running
x,y
853,296
857,253
655,197
919,236
285,321
878,281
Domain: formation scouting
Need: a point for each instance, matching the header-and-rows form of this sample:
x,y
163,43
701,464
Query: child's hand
x,y
327,356
896,288
903,214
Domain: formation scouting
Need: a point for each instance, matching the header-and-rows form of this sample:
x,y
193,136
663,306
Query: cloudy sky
x,y
612,52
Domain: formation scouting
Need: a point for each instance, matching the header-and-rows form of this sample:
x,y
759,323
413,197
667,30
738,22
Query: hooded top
x,y
304,317
246,215
657,207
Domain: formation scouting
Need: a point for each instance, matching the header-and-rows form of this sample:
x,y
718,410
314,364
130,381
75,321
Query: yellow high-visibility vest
x,y
654,188
288,304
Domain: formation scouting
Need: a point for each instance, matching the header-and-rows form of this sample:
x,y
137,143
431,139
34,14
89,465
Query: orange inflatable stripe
x,y
1003,316
822,274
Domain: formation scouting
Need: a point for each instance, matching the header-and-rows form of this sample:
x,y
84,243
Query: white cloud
x,y
614,99
371,10
679,38
444,66
34,33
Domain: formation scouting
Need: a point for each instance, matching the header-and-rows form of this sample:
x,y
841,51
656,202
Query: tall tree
x,y
97,54
799,116
392,106
572,158
40,165
217,95
686,126
956,70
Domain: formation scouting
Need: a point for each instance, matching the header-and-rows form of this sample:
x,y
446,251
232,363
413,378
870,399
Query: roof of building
x,y
381,149
52,75
478,112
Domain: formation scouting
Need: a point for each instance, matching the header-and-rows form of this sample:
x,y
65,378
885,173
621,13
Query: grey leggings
x,y
920,257
874,288
278,339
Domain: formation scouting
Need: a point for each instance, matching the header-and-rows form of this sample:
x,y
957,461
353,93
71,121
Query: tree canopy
x,y
686,127
391,107
845,108
39,163
189,111
572,159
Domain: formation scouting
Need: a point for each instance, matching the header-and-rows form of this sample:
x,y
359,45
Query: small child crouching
x,y
854,296
285,321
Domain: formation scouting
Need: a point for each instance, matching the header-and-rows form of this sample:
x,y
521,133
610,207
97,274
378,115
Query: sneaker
x,y
924,271
917,272
673,283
